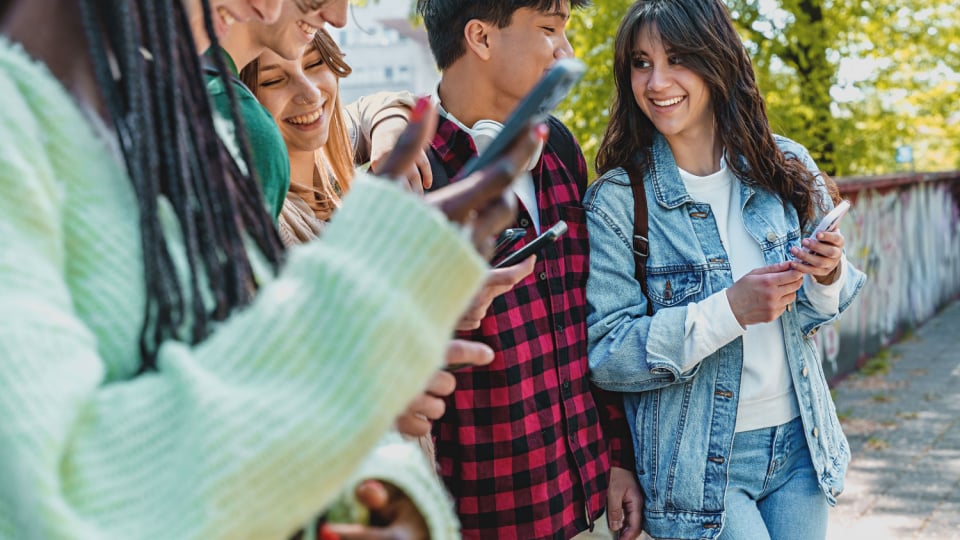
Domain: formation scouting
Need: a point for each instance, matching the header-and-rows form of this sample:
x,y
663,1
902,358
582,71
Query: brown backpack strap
x,y
641,243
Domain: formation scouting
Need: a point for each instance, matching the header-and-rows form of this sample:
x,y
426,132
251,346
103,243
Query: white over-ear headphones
x,y
484,131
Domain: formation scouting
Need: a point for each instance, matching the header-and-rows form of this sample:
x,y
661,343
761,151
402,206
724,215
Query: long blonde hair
x,y
335,157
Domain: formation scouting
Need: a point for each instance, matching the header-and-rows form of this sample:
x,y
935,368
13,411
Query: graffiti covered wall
x,y
904,232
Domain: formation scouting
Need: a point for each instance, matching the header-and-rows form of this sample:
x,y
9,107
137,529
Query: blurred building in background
x,y
385,51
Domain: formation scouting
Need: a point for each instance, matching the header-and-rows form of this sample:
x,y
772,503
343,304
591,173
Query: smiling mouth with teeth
x,y
307,29
306,119
228,19
668,102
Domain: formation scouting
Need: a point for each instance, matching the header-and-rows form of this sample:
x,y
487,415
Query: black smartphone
x,y
538,243
535,106
507,240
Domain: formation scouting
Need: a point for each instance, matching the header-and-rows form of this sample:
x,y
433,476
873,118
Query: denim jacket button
x,y
804,371
771,236
816,433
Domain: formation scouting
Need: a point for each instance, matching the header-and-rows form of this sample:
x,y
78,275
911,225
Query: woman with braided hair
x,y
166,370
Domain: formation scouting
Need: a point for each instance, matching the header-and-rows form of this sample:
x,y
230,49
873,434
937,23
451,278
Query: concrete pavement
x,y
902,418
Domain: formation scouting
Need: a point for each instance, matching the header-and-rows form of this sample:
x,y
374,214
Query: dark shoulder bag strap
x,y
562,143
440,176
641,243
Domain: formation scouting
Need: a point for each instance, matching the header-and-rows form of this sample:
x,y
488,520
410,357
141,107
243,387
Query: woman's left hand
x,y
822,261
393,516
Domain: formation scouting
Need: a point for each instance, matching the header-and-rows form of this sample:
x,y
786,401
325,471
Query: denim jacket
x,y
683,417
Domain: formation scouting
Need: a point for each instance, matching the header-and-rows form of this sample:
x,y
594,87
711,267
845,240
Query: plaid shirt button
x,y
542,275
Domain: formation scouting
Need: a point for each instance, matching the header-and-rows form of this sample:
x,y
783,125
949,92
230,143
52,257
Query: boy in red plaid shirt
x,y
527,447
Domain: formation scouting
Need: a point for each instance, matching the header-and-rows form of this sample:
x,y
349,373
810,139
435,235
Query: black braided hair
x,y
150,77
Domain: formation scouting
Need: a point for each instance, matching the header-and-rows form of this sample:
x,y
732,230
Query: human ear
x,y
476,35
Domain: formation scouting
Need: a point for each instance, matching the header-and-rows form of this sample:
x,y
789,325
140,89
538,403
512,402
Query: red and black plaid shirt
x,y
521,446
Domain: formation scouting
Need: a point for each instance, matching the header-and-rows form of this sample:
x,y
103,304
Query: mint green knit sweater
x,y
250,433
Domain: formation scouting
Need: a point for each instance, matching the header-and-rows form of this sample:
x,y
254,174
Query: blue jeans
x,y
773,491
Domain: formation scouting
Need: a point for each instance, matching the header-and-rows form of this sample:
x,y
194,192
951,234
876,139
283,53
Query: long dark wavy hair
x,y
150,78
702,34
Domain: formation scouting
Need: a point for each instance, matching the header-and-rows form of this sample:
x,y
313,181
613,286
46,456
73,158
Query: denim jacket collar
x,y
671,193
668,187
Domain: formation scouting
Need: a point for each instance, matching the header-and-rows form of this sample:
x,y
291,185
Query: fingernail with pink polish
x,y
420,109
542,132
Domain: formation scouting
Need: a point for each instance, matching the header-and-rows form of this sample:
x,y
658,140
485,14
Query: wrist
x,y
733,309
829,278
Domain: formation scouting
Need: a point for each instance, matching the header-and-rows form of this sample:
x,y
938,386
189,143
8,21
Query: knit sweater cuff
x,y
403,464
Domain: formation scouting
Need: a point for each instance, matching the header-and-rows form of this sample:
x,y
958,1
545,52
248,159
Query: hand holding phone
x,y
538,243
535,106
830,221
507,240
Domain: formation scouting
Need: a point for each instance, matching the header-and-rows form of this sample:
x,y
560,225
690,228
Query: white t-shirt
x,y
766,390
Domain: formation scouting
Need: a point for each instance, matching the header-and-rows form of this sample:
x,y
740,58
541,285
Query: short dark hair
x,y
446,19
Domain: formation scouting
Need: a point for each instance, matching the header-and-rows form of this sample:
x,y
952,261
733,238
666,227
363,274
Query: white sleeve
x,y
709,325
825,299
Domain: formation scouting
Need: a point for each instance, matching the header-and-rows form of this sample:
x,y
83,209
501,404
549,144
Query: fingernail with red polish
x,y
420,109
542,132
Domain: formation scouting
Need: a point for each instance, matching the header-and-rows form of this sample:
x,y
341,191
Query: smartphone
x,y
829,222
535,106
538,243
506,240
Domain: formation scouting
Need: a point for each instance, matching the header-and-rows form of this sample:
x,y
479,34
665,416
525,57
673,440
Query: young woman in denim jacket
x,y
736,434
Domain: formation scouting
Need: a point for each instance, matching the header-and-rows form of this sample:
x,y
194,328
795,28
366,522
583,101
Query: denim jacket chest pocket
x,y
674,286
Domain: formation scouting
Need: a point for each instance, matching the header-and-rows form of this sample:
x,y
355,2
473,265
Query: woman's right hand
x,y
764,294
481,202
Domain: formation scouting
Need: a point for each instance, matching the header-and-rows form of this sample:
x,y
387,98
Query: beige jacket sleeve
x,y
363,115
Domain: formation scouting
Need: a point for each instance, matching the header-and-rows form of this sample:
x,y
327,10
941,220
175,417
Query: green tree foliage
x,y
592,32
789,49
850,79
